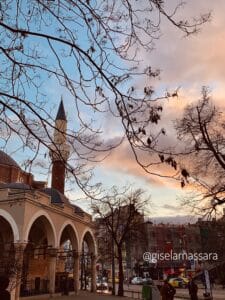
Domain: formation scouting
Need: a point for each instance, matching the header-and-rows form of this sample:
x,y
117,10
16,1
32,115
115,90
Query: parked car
x,y
178,282
102,287
147,280
137,280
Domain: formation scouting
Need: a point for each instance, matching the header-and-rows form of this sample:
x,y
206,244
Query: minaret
x,y
59,152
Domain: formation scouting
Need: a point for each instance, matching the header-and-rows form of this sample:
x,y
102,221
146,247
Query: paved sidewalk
x,y
82,296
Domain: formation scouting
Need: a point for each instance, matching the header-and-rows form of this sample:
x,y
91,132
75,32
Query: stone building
x,y
41,232
205,236
213,236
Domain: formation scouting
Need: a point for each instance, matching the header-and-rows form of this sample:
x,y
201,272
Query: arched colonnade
x,y
40,247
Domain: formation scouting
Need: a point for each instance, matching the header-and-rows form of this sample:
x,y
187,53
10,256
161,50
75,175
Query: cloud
x,y
169,207
197,60
123,161
187,62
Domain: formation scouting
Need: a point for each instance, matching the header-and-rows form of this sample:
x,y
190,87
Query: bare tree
x,y
122,216
202,131
11,264
90,49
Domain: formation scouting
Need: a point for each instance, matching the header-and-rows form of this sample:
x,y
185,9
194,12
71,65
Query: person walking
x,y
167,291
193,290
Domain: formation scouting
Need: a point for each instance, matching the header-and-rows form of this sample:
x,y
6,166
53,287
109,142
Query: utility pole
x,y
113,256
113,268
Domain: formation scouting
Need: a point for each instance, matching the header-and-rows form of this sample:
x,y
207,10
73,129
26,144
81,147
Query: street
x,y
132,292
83,295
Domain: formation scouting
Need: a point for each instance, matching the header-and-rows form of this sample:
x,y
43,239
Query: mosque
x,y
42,234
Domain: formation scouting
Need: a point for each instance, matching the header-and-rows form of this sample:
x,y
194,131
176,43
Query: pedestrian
x,y
193,290
223,283
167,291
64,286
4,283
212,281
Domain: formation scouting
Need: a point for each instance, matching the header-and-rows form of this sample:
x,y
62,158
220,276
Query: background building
x,y
201,237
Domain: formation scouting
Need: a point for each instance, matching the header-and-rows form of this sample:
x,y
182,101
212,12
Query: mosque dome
x,y
56,196
6,160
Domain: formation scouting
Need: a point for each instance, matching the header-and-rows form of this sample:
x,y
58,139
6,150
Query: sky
x,y
187,63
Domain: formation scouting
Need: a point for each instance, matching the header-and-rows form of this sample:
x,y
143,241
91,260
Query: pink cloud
x,y
122,160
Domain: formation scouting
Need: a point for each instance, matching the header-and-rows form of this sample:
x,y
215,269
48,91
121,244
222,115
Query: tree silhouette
x,y
202,130
90,49
121,217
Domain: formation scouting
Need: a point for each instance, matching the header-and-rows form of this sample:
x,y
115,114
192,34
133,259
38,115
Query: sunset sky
x,y
187,63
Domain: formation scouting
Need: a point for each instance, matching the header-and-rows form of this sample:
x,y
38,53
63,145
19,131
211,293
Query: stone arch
x,y
12,223
90,252
38,214
74,235
90,239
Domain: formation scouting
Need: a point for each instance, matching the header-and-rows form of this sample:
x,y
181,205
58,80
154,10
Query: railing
x,y
27,293
133,294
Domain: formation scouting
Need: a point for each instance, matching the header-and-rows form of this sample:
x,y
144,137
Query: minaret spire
x,y
59,150
61,111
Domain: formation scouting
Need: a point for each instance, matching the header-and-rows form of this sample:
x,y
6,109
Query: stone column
x,y
17,279
76,272
52,256
93,273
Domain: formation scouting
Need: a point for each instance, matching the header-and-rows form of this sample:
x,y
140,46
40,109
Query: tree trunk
x,y
121,276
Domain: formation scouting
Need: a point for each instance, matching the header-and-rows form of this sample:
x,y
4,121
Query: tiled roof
x,y
59,198
56,196
5,159
15,185
78,210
